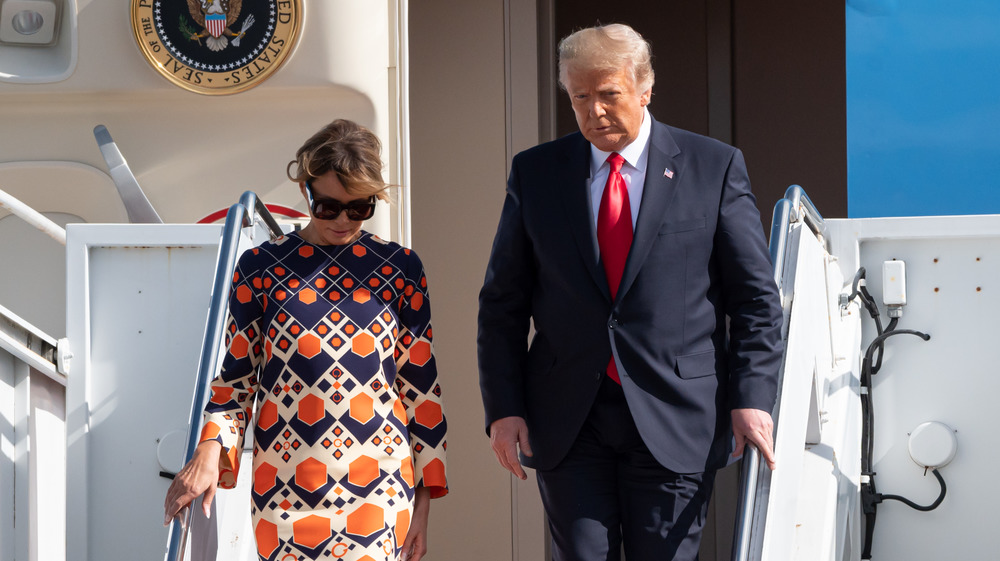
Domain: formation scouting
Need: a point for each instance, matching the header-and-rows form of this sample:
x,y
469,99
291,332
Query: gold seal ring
x,y
216,46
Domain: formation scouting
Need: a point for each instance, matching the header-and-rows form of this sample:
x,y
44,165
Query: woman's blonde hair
x,y
608,47
347,149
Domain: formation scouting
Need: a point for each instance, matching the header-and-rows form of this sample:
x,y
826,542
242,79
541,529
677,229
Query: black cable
x,y
915,506
868,502
870,497
861,290
867,364
867,404
854,285
881,348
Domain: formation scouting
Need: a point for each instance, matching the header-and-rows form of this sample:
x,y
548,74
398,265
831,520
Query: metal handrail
x,y
805,211
795,207
7,342
32,216
27,355
241,215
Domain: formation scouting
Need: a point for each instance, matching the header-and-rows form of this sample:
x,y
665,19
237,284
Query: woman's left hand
x,y
415,545
198,477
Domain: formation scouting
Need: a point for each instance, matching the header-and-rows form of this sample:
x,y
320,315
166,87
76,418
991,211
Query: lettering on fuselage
x,y
216,46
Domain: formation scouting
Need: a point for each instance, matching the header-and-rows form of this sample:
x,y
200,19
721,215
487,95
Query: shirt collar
x,y
633,153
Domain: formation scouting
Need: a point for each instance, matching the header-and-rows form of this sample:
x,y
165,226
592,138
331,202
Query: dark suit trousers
x,y
609,490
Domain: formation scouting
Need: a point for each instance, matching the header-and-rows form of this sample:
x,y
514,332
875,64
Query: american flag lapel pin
x,y
668,173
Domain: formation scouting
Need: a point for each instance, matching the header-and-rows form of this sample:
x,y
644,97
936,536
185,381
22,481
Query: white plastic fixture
x,y
894,287
932,444
28,22
894,283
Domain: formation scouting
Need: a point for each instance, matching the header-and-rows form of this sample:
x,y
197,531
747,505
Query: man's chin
x,y
607,143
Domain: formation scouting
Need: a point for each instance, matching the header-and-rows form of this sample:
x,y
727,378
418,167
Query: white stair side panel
x,y
138,297
807,351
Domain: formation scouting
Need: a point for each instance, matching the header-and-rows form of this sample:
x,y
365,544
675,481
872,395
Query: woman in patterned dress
x,y
329,349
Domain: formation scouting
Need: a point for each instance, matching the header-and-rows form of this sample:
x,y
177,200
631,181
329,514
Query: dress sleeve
x,y
230,408
417,382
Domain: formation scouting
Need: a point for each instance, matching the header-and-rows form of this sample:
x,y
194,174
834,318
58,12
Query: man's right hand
x,y
506,435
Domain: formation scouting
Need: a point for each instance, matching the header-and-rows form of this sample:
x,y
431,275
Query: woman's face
x,y
339,230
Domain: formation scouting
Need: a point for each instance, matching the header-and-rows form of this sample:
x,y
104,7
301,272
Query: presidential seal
x,y
216,46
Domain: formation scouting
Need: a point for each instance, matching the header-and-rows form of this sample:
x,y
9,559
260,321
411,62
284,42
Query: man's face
x,y
608,109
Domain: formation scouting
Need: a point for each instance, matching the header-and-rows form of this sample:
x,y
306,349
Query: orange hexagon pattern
x,y
399,410
363,471
406,471
366,520
338,450
307,295
243,294
268,415
264,478
362,408
310,474
434,474
312,408
311,531
267,538
420,353
210,431
239,346
402,525
309,345
222,396
428,414
363,344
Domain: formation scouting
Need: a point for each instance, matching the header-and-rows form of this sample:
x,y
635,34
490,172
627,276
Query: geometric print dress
x,y
329,353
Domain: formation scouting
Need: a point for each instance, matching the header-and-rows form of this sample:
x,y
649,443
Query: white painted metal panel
x,y
807,334
954,295
135,321
32,447
11,371
813,492
952,267
46,468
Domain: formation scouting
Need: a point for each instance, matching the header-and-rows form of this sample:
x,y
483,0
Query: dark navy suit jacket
x,y
698,255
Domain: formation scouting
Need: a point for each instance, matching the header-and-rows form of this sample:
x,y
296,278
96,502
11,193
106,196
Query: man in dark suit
x,y
627,245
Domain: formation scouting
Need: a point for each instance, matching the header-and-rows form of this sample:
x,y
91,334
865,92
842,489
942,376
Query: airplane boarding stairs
x,y
911,413
95,423
81,467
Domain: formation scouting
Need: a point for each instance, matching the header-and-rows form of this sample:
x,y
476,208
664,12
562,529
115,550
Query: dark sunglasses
x,y
329,209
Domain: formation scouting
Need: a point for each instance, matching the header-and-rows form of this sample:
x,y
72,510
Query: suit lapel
x,y
657,193
579,214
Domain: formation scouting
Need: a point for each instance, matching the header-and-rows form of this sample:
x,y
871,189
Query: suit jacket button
x,y
612,324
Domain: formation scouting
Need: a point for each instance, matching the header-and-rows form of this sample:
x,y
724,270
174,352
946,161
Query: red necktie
x,y
614,232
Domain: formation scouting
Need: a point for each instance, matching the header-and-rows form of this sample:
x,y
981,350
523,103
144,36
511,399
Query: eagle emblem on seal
x,y
215,18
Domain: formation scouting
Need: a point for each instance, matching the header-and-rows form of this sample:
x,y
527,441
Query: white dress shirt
x,y
633,170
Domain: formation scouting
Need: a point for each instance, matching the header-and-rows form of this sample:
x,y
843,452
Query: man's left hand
x,y
757,428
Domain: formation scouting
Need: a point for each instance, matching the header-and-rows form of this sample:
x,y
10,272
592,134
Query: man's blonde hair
x,y
607,47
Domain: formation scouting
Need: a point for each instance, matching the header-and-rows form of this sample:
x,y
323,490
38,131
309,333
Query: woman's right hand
x,y
200,475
